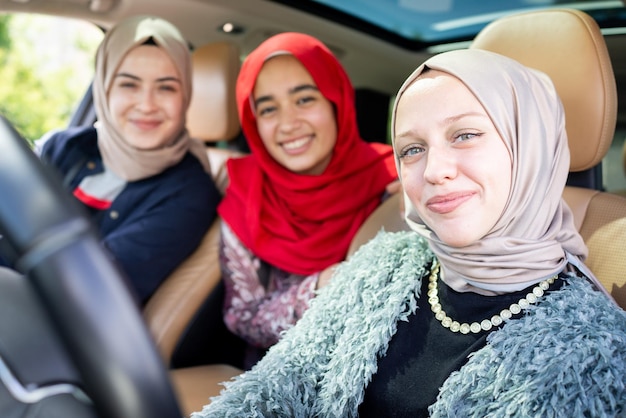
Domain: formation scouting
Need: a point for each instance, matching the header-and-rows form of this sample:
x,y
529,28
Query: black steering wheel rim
x,y
55,247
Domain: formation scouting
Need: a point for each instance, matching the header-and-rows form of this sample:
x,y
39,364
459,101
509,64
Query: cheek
x,y
322,118
175,108
327,118
117,105
329,129
266,130
501,175
411,182
502,188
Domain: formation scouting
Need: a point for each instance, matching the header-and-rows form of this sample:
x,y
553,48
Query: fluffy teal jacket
x,y
565,358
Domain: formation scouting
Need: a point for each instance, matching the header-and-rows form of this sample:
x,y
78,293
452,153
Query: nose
x,y
441,165
289,120
146,101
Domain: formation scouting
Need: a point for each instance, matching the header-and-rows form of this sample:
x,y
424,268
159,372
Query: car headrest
x,y
212,114
569,47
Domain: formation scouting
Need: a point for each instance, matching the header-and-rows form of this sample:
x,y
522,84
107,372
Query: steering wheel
x,y
82,291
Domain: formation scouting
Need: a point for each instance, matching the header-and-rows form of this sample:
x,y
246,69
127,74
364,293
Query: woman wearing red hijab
x,y
294,204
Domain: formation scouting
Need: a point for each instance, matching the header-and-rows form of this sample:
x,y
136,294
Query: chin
x,y
456,240
304,169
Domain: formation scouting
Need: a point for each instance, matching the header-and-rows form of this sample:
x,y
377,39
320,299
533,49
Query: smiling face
x,y
146,98
455,167
295,121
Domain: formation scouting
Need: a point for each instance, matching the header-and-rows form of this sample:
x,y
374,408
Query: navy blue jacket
x,y
154,223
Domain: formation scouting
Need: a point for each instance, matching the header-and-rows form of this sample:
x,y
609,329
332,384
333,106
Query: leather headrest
x,y
569,47
212,114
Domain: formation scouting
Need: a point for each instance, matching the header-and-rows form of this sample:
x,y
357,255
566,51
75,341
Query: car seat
x,y
212,118
576,58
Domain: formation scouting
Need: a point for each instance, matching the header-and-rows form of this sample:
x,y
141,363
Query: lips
x,y
447,203
296,144
146,124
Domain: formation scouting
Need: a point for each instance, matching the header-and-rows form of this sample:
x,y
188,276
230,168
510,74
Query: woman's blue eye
x,y
466,136
410,151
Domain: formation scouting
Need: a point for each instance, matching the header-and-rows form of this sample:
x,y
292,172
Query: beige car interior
x,y
576,58
212,118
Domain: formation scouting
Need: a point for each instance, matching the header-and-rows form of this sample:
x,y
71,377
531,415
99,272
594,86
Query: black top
x,y
423,353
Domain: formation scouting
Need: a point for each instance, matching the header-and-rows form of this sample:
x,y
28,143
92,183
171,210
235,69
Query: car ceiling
x,y
371,62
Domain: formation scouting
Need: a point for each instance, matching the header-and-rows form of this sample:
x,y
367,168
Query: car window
x,y
613,170
47,66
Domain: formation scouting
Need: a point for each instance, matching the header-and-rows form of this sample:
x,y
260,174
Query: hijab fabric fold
x,y
304,223
127,162
535,235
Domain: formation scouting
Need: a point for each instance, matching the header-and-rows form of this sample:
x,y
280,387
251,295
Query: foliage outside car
x,y
46,65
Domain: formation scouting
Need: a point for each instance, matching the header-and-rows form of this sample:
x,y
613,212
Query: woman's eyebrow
x,y
293,90
455,118
411,133
262,99
134,77
161,79
303,87
169,78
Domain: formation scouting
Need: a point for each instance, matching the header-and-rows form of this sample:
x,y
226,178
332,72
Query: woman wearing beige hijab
x,y
137,172
486,307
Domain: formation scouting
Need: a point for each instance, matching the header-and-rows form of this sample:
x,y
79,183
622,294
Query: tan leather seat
x,y
195,385
576,58
212,117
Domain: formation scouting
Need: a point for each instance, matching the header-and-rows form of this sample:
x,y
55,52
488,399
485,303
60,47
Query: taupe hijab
x,y
125,161
535,236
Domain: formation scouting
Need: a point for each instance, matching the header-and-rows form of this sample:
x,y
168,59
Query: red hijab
x,y
304,223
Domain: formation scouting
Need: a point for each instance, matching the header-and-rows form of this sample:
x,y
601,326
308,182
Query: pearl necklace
x,y
485,324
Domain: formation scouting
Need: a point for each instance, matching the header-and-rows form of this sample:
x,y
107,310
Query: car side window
x,y
613,165
47,68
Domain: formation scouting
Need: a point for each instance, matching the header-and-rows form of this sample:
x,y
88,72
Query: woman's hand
x,y
325,276
394,187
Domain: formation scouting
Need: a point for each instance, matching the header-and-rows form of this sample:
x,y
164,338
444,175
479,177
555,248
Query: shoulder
x,y
185,185
388,266
572,345
188,168
388,246
83,139
576,320
187,177
577,304
403,254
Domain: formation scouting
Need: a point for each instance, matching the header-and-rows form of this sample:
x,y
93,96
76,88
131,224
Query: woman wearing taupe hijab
x,y
143,180
485,308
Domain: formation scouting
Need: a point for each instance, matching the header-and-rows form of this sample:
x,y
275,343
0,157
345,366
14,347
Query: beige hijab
x,y
535,236
125,161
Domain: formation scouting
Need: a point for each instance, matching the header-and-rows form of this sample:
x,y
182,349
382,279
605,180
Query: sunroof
x,y
420,23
